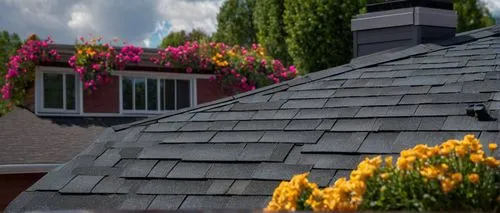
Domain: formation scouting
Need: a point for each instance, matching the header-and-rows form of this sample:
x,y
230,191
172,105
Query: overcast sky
x,y
142,22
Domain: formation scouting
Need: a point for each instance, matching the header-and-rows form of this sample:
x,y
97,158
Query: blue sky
x,y
141,22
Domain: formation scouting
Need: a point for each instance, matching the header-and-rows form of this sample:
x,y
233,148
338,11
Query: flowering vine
x,y
21,66
236,68
94,61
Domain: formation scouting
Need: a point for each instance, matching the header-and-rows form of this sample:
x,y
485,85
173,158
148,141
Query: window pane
x,y
183,94
152,94
70,92
140,94
53,91
127,93
169,95
162,95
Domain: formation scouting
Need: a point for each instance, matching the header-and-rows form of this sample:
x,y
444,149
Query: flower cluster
x,y
21,66
236,68
94,61
457,174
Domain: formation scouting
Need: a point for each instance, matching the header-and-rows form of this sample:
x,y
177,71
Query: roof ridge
x,y
354,64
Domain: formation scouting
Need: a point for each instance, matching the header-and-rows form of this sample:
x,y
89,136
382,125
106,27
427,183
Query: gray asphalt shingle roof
x,y
30,139
232,153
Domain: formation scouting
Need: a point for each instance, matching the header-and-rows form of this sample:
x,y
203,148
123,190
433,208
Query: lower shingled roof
x,y
232,153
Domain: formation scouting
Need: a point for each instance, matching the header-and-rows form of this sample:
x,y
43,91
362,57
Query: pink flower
x,y
11,73
6,89
243,80
96,66
189,70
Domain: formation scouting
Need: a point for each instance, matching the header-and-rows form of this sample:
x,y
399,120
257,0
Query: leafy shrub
x,y
456,175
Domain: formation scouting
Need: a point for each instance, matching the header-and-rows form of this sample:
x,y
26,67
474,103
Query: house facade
x,y
59,119
139,91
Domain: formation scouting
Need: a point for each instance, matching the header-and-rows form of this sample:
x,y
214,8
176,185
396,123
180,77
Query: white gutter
x,y
27,168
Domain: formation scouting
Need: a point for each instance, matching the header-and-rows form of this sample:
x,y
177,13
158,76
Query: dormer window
x,y
57,91
153,94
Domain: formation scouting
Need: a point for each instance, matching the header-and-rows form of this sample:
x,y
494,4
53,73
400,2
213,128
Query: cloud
x,y
142,22
190,14
493,6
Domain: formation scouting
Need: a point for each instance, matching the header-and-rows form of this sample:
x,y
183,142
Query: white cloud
x,y
81,18
41,12
143,22
147,42
188,15
493,6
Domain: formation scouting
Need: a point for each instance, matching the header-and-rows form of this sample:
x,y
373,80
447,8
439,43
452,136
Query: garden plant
x,y
456,175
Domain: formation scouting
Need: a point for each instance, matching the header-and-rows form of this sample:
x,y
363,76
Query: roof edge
x,y
354,64
28,168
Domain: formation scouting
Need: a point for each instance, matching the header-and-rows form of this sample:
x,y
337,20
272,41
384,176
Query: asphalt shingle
x,y
187,170
337,142
291,136
262,125
166,202
278,171
81,184
234,152
237,137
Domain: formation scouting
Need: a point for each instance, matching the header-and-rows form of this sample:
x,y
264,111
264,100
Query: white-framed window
x,y
155,94
57,91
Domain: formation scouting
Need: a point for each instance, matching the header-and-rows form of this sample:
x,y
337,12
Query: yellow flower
x,y
461,150
384,176
447,185
443,168
429,172
473,178
492,146
476,158
80,52
492,162
90,52
457,177
388,161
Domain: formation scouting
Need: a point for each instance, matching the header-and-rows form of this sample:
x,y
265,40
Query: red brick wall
x,y
105,100
13,184
208,91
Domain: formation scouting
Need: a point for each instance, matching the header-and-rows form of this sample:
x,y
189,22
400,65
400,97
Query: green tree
x,y
318,32
268,21
198,35
235,23
472,14
175,39
9,43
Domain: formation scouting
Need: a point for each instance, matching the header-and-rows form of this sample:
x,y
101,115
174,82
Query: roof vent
x,y
480,112
393,24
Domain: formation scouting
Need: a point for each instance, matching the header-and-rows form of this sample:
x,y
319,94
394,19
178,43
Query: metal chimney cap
x,y
383,5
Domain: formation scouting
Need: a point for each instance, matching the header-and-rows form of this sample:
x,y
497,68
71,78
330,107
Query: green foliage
x,y
174,39
9,43
235,23
472,14
197,35
268,21
319,34
409,190
178,38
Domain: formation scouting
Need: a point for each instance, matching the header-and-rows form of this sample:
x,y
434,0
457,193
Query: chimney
x,y
392,24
